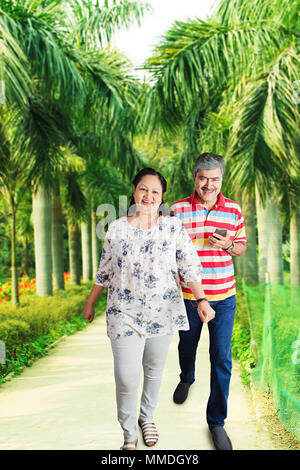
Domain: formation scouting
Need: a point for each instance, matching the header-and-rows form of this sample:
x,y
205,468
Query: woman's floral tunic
x,y
141,269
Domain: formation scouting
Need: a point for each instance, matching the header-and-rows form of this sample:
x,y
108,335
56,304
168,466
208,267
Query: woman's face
x,y
148,194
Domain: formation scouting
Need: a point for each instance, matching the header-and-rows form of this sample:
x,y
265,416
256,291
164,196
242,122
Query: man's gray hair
x,y
209,161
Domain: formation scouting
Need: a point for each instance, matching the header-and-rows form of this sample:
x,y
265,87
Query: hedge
x,y
29,330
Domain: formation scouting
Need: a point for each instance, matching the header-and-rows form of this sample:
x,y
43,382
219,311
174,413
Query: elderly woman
x,y
143,257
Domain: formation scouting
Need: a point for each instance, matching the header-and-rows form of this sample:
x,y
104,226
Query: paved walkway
x,y
66,400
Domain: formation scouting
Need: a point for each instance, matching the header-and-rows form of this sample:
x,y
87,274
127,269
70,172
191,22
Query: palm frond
x,y
197,59
14,68
262,138
240,11
38,30
72,195
105,183
108,81
95,22
37,135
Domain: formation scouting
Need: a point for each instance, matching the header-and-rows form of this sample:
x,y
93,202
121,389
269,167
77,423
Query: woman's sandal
x,y
150,434
129,445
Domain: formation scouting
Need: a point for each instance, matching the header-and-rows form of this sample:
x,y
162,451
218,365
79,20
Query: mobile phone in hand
x,y
220,231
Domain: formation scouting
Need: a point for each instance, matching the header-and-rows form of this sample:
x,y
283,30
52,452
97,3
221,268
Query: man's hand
x,y
206,313
220,242
89,311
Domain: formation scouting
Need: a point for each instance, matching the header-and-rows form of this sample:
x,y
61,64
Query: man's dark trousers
x,y
220,334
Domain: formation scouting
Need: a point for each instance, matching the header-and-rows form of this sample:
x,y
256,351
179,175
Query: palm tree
x,y
86,247
295,247
261,146
25,232
66,78
245,58
74,206
12,187
41,134
42,221
295,224
57,238
34,120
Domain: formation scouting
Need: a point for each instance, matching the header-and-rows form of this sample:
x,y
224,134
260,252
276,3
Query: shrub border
x,y
41,345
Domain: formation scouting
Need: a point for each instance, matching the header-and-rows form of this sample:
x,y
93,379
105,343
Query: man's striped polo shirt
x,y
218,270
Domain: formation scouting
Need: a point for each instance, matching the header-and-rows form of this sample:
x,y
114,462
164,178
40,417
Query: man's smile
x,y
206,190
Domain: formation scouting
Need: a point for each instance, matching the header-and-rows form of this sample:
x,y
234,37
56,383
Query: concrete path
x,y
66,400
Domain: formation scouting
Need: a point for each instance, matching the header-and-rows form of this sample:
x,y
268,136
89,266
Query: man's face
x,y
208,184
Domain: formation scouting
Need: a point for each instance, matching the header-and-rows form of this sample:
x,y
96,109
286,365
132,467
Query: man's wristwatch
x,y
230,248
201,300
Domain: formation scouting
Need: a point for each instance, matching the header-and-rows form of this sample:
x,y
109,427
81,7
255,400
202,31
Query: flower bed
x,y
26,286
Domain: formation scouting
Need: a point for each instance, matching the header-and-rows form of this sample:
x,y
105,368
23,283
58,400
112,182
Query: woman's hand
x,y
206,313
89,308
89,311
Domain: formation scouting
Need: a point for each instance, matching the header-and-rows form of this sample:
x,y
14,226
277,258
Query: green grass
x,y
241,337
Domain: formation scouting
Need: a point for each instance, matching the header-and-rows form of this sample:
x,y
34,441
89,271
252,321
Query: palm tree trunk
x,y
295,247
250,269
95,244
57,241
262,228
14,276
275,256
42,219
238,262
86,247
74,253
25,256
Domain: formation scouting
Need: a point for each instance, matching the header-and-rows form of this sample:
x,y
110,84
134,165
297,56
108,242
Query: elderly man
x,y
216,227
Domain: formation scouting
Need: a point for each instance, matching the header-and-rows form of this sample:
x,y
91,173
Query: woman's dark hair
x,y
140,175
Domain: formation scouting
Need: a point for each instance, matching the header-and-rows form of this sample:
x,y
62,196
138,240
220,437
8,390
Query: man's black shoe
x,y
181,392
220,438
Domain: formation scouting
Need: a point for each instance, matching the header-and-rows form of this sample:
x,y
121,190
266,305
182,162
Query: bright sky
x,y
137,43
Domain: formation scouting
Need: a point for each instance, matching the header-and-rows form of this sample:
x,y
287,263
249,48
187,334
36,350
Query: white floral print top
x,y
141,268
